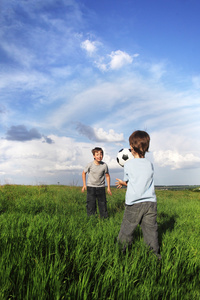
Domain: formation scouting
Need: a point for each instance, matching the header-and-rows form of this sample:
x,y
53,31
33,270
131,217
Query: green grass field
x,y
50,249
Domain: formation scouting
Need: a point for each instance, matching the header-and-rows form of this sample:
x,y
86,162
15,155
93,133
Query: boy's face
x,y
98,156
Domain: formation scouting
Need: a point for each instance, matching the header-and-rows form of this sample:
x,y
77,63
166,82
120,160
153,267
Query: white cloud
x,y
89,46
99,135
119,59
176,160
110,136
176,150
25,161
31,162
114,61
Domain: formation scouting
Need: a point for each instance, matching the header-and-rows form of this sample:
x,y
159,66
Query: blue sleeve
x,y
126,178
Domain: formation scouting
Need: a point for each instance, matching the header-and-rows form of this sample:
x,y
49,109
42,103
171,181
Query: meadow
x,y
50,249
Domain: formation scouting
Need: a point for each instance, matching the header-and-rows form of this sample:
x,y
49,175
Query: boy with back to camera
x,y
140,201
97,172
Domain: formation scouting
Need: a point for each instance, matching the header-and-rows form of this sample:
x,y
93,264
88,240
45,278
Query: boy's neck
x,y
136,155
97,162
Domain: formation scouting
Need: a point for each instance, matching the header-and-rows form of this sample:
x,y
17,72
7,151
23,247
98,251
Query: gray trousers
x,y
145,214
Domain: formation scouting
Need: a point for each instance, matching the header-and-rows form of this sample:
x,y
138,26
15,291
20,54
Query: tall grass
x,y
50,249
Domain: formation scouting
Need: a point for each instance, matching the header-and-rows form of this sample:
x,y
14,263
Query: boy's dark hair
x,y
97,149
139,140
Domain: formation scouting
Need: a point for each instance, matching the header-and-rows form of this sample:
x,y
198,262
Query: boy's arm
x,y
108,183
84,181
119,183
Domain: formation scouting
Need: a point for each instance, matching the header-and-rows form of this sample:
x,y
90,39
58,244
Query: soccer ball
x,y
124,155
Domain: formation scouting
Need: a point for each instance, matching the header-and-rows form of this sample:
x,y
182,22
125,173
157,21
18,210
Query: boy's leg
x,y
101,196
149,227
131,219
91,201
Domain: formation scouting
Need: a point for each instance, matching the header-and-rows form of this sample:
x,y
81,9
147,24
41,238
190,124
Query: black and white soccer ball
x,y
124,155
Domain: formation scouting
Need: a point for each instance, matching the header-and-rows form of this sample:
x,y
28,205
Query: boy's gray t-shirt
x,y
96,174
139,174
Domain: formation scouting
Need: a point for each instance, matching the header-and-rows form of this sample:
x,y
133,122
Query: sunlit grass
x,y
50,249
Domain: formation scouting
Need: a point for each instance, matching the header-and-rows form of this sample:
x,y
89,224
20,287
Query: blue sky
x,y
80,74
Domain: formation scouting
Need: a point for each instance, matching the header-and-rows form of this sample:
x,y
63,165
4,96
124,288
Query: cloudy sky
x,y
75,74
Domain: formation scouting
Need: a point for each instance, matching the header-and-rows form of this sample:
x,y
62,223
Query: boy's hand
x,y
109,191
84,188
119,183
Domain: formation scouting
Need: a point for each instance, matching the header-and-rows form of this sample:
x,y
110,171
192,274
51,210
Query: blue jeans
x,y
144,214
98,193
